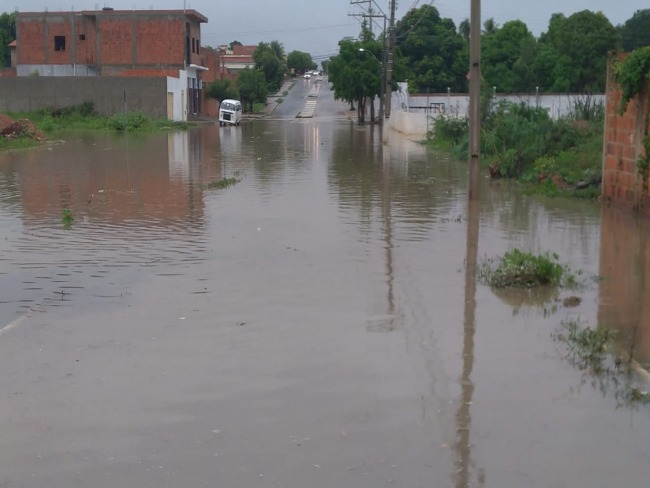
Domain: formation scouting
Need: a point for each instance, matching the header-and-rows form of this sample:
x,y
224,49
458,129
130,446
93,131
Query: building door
x,y
170,105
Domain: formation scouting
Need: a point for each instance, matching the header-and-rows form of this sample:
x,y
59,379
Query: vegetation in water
x,y
66,218
592,350
223,183
521,269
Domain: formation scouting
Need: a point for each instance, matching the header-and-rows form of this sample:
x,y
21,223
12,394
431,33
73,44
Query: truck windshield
x,y
228,106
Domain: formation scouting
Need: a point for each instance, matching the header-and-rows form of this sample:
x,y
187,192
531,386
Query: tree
x,y
635,33
7,34
299,61
266,59
434,52
355,75
252,87
508,54
578,46
325,64
222,90
278,49
233,44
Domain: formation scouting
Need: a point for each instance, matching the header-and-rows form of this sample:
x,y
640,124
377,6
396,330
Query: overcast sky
x,y
316,26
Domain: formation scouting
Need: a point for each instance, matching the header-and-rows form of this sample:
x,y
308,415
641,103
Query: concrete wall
x,y
410,124
147,95
623,145
457,104
56,70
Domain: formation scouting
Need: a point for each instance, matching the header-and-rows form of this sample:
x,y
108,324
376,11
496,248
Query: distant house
x,y
107,42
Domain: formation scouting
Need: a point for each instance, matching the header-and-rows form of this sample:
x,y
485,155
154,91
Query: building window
x,y
193,45
59,43
197,46
82,37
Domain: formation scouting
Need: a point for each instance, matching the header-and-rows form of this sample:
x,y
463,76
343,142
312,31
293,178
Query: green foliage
x,y
522,269
632,73
221,90
356,75
223,183
635,33
130,121
7,34
508,54
592,350
269,58
434,53
449,131
66,218
252,87
574,52
587,346
299,61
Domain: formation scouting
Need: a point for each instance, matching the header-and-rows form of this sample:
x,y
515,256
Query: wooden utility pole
x,y
388,92
474,99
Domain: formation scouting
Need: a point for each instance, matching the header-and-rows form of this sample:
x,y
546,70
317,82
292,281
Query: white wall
x,y
178,86
558,104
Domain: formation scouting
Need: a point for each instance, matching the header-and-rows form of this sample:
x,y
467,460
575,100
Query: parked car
x,y
230,112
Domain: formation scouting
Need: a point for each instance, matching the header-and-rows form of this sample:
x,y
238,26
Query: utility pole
x,y
371,14
474,98
388,92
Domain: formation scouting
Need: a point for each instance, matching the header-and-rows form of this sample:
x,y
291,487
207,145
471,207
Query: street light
x,y
381,84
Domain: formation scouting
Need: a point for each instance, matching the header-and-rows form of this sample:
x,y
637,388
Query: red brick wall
x,y
116,41
31,48
160,41
112,38
622,185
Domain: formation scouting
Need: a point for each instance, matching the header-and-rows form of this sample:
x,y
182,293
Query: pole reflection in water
x,y
388,235
463,416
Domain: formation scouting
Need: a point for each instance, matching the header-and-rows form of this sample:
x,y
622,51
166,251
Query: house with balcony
x,y
117,43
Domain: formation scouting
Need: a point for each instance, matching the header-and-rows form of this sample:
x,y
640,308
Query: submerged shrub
x,y
131,121
522,269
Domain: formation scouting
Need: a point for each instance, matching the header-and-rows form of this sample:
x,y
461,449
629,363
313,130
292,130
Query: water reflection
x,y
135,200
463,416
624,295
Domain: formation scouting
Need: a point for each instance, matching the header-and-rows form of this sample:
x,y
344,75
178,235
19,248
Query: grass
x,y
259,107
522,269
553,157
591,350
83,116
223,183
67,218
7,144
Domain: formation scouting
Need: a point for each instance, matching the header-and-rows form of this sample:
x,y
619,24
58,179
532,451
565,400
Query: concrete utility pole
x,y
388,92
371,15
474,98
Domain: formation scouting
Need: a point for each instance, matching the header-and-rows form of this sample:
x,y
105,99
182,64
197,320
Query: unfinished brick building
x,y
111,42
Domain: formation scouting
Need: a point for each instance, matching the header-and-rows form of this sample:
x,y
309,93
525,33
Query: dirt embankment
x,y
21,128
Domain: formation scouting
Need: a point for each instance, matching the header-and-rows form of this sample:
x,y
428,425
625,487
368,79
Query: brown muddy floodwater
x,y
312,326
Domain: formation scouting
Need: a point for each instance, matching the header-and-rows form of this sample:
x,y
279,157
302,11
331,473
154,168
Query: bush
x,y
449,130
131,121
522,269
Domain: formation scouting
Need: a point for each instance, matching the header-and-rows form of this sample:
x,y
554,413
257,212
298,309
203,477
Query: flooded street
x,y
310,326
